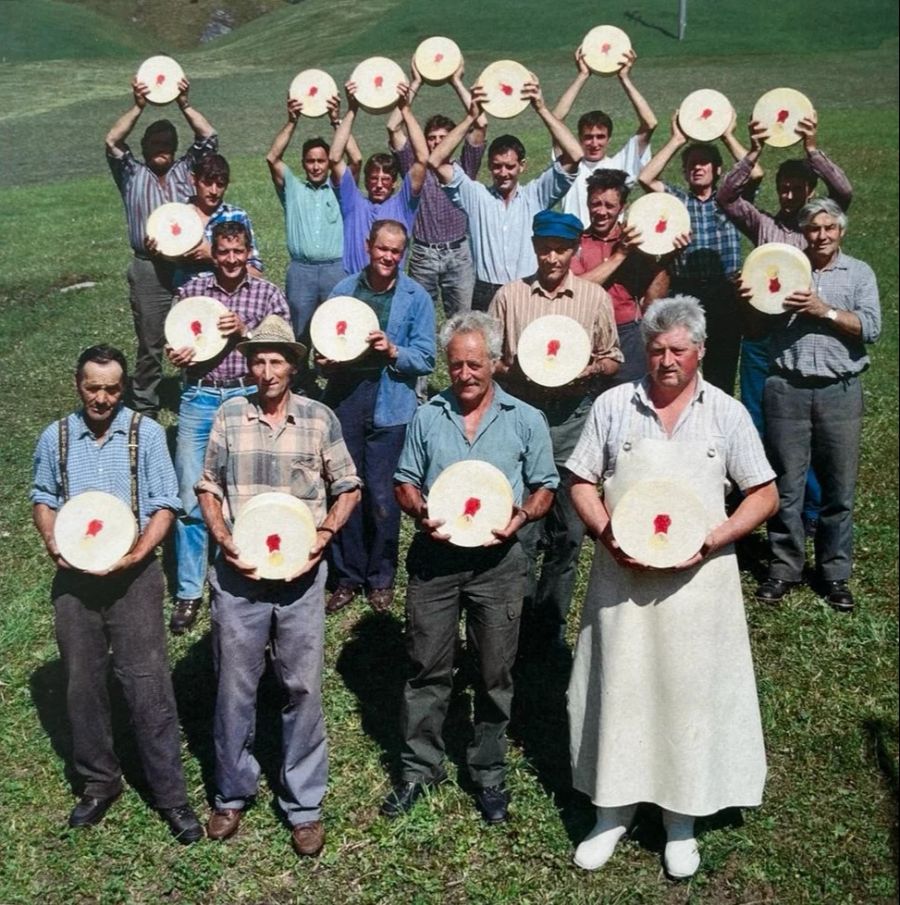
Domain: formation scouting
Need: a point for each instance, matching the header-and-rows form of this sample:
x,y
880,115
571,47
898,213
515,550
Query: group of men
x,y
368,447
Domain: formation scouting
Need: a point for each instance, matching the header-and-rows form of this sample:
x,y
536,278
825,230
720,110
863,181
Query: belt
x,y
440,246
798,380
231,384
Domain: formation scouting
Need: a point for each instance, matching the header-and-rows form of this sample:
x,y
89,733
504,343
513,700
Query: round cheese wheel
x,y
553,350
339,327
473,498
94,530
176,227
604,49
161,74
192,322
660,218
780,110
773,271
313,88
274,532
437,59
503,82
705,115
376,80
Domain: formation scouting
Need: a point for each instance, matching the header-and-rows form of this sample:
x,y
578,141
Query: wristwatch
x,y
832,314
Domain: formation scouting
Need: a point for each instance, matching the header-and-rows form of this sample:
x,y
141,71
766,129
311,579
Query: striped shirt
x,y
625,414
715,249
438,220
814,347
312,220
304,456
106,466
501,232
253,300
142,191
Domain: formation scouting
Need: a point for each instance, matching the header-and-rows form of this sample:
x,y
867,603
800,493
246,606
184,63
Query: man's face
x,y
100,387
379,184
823,234
554,257
793,193
272,373
385,252
470,367
159,152
230,255
209,192
435,137
604,206
315,165
505,170
594,141
699,171
673,358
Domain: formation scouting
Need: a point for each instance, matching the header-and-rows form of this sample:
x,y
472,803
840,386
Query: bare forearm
x,y
197,121
341,510
570,95
649,175
759,504
122,127
410,500
153,535
647,121
280,143
589,506
562,138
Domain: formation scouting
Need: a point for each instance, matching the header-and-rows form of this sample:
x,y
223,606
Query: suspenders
x,y
133,434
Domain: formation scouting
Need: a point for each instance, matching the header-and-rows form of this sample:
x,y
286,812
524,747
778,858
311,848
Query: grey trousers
x,y
488,583
246,617
814,423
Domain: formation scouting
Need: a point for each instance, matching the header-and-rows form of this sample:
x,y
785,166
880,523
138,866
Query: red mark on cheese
x,y
506,89
196,328
661,523
473,504
160,78
340,328
553,347
605,48
313,90
94,527
774,284
273,542
379,81
782,116
175,229
706,114
661,225
438,57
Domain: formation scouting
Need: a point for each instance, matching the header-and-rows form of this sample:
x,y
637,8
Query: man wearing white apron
x,y
662,700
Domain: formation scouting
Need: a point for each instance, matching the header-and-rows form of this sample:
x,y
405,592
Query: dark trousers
x,y
119,618
818,425
364,552
488,583
483,294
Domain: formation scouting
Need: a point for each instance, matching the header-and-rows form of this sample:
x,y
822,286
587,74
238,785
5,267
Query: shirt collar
x,y
237,289
642,391
118,426
364,279
447,400
253,411
565,288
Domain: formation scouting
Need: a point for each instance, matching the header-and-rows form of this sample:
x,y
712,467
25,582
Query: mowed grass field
x,y
827,831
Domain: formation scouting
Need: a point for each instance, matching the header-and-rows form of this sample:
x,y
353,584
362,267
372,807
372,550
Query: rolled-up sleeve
x,y
156,465
866,305
340,472
538,468
411,464
213,479
45,485
416,355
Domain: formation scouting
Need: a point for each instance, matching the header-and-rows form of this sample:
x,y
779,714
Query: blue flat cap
x,y
557,225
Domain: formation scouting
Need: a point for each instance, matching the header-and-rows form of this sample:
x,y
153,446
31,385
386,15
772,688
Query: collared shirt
x,y
304,456
760,227
253,300
501,232
360,213
437,219
814,347
626,413
629,158
106,466
629,283
715,249
224,213
312,219
519,303
142,192
512,435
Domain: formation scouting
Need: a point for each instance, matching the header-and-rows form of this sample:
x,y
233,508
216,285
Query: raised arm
x,y
562,138
739,152
570,95
199,124
394,125
276,153
342,135
476,134
646,117
122,127
649,175
439,160
416,139
839,187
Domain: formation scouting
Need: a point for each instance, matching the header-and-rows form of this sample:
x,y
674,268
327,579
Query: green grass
x,y
827,832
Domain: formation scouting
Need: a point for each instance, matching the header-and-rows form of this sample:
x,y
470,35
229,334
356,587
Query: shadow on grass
x,y
636,17
879,734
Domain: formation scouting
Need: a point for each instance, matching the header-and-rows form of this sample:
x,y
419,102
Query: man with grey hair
x,y
662,699
813,407
473,420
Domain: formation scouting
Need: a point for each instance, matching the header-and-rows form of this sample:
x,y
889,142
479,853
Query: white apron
x,y
662,699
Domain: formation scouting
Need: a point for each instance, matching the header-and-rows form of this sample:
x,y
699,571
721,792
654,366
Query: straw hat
x,y
275,331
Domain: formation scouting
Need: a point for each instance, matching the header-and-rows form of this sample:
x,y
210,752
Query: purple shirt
x,y
359,214
253,300
438,219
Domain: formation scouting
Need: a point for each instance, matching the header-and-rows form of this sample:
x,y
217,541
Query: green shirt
x,y
312,220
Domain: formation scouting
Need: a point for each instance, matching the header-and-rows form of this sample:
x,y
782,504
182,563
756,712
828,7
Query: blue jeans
x,y
444,270
195,419
247,616
306,287
814,423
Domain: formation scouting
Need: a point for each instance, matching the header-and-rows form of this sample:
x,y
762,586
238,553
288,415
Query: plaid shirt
x,y
715,250
304,456
142,192
253,300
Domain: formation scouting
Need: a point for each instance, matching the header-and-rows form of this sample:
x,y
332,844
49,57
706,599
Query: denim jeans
x,y
818,424
445,271
488,583
195,419
247,616
306,287
119,618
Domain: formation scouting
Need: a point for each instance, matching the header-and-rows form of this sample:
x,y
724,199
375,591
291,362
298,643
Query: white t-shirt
x,y
627,158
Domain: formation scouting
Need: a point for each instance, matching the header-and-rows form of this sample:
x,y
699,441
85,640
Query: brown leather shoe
x,y
223,823
380,599
339,599
308,838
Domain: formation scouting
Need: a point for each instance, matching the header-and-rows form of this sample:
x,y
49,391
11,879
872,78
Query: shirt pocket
x,y
306,476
